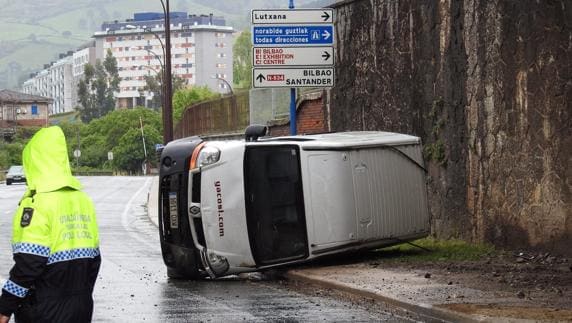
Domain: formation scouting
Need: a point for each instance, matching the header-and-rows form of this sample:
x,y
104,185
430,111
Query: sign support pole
x,y
293,128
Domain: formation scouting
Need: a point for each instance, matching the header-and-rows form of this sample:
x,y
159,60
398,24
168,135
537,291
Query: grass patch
x,y
438,250
20,31
35,55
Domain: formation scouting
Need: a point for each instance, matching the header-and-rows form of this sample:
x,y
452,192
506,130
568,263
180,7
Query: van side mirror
x,y
253,132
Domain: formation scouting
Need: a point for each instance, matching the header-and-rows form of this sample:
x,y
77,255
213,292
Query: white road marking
x,y
125,220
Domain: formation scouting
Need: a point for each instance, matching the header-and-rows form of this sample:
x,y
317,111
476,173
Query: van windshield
x,y
275,204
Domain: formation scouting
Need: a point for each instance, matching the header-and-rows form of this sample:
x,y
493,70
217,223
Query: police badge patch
x,y
26,217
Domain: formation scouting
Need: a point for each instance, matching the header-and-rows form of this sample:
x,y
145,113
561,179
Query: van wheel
x,y
8,182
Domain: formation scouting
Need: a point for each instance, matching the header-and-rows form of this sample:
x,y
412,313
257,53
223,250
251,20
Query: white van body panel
x,y
361,190
222,205
390,198
330,207
372,193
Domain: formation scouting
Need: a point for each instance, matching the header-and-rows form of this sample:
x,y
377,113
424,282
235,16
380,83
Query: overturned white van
x,y
228,207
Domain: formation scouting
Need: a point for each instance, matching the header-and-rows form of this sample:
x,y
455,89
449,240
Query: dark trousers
x,y
62,309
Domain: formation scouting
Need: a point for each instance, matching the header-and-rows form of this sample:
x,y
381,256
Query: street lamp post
x,y
162,75
158,57
234,112
168,108
159,73
225,82
167,73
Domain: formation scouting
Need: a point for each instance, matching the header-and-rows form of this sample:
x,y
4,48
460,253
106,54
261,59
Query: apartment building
x,y
58,80
55,81
201,52
83,56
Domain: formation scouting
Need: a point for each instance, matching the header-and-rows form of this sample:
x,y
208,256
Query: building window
x,y
221,65
220,45
34,109
221,55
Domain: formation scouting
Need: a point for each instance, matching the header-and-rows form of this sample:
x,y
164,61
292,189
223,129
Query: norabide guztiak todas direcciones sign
x,y
293,48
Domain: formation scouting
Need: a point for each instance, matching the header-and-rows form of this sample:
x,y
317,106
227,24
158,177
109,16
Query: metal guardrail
x,y
225,115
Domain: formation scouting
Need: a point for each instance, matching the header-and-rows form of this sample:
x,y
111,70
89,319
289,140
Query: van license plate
x,y
173,210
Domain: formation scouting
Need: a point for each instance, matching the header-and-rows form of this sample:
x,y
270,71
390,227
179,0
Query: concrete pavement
x,y
416,290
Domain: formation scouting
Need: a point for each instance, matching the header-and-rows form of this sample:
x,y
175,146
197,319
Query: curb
x,y
426,310
152,201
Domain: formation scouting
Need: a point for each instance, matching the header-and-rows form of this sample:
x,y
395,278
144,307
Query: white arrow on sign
x,y
292,16
292,56
293,77
326,35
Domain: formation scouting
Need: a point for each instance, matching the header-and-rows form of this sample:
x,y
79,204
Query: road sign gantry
x,y
293,48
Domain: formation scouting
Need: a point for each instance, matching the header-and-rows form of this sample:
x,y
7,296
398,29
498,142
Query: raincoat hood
x,y
46,162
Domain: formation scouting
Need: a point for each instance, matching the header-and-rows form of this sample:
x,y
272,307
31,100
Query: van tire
x,y
182,274
8,182
181,263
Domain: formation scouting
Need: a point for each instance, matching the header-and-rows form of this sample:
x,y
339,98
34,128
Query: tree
x,y
154,84
185,98
129,154
96,89
11,152
242,62
72,130
119,132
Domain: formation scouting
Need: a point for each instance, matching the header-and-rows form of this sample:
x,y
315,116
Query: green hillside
x,y
34,32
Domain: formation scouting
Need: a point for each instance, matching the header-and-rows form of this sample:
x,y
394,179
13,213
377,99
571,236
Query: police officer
x,y
55,240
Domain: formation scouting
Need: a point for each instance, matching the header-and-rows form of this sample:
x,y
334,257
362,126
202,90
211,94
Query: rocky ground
x,y
510,285
541,281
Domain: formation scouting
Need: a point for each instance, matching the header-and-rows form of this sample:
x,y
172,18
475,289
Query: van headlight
x,y
208,156
218,264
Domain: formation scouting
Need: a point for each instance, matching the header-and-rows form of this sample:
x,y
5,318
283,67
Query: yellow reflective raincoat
x,y
55,239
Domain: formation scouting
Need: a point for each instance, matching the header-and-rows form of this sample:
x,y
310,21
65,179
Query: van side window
x,y
275,204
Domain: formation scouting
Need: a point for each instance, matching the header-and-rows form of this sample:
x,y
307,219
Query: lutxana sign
x,y
293,48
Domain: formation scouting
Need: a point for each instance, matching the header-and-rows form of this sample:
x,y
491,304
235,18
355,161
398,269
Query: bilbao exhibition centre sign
x,y
293,48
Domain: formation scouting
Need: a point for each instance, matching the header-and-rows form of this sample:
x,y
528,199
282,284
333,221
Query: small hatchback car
x,y
15,174
228,207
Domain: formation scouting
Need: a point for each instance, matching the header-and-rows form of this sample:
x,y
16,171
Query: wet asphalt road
x,y
133,285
